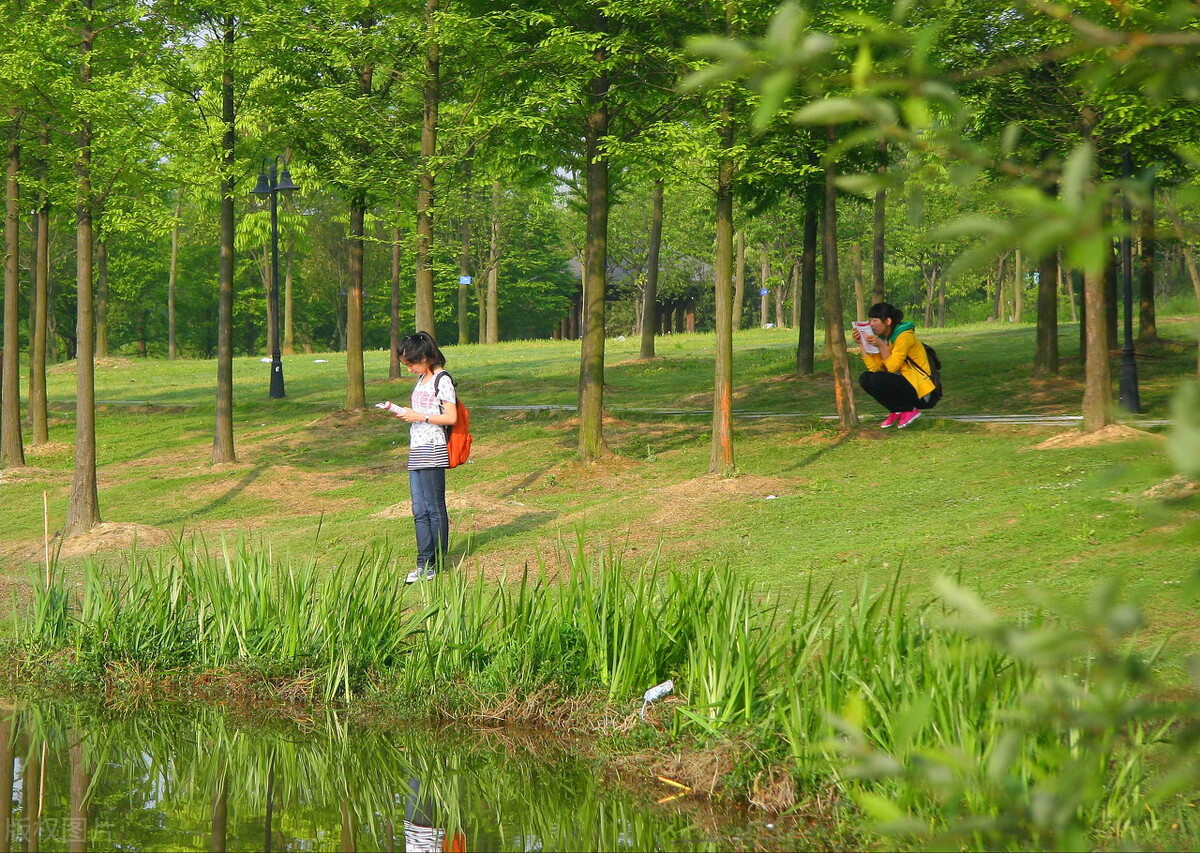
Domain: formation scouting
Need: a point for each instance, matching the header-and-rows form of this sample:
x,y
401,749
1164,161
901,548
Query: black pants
x,y
890,390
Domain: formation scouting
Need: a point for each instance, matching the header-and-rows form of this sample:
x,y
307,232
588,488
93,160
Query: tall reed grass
x,y
1028,730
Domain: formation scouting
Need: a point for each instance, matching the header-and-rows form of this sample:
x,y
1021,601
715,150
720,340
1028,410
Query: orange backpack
x,y
458,437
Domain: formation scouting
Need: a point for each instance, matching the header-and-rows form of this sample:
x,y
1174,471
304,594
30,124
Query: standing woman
x,y
432,412
899,376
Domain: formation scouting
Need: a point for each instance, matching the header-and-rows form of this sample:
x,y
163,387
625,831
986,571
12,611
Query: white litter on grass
x,y
320,361
265,360
655,693
772,497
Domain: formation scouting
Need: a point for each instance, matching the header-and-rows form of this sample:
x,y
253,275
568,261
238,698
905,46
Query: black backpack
x,y
931,399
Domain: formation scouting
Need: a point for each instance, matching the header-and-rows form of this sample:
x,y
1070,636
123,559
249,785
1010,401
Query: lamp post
x,y
269,184
1128,387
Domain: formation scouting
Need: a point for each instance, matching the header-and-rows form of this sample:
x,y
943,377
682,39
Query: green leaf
x,y
1076,173
1183,444
830,111
864,185
861,72
879,808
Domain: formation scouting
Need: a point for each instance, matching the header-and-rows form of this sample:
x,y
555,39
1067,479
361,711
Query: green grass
x,y
940,498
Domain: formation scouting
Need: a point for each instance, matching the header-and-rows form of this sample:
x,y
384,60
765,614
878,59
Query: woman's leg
x,y
422,516
890,390
439,518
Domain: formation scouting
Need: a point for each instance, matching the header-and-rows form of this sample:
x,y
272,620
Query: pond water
x,y
200,778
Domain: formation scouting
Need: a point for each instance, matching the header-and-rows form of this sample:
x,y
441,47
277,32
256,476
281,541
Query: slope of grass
x,y
940,498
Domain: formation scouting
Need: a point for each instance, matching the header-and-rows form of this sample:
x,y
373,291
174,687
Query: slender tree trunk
x,y
394,327
1189,259
356,389
941,302
1148,319
806,346
879,230
223,427
7,775
102,298
795,291
1067,283
780,323
835,335
1079,284
1018,287
289,306
650,295
431,94
1045,359
12,451
493,282
591,356
1097,389
83,512
764,273
721,456
81,780
1112,300
464,265
856,264
739,279
930,275
172,277
38,403
218,839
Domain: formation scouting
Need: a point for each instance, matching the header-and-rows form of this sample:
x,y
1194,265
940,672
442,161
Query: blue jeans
x,y
428,488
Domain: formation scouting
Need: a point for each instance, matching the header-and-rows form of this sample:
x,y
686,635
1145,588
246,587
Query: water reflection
x,y
173,779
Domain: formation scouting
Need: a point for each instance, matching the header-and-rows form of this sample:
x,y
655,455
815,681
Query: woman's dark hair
x,y
420,347
886,311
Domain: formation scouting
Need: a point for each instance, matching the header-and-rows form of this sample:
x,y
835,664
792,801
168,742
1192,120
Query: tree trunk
x,y
879,229
223,429
930,275
739,280
1097,389
721,456
1045,359
38,403
102,298
1078,283
81,781
218,839
806,346
835,336
464,264
1112,300
1018,286
8,774
172,277
856,264
83,512
1067,283
998,306
493,282
795,293
780,323
289,305
1189,259
591,354
394,366
764,292
430,96
356,389
1147,316
650,296
941,302
12,451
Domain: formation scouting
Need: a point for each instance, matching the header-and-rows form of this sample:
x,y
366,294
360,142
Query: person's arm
x,y
897,351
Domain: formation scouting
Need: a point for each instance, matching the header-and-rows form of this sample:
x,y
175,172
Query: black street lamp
x,y
1128,387
268,184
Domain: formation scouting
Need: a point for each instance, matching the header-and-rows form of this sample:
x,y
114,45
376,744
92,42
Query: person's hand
x,y
412,416
872,340
857,334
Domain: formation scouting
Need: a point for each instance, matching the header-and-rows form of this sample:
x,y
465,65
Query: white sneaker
x,y
427,573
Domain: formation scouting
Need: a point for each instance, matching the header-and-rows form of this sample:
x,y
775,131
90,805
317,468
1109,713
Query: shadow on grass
x,y
844,438
526,523
239,487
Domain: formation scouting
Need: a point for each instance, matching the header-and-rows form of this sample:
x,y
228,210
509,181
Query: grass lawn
x,y
942,497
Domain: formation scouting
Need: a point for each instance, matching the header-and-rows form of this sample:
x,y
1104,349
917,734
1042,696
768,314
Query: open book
x,y
864,329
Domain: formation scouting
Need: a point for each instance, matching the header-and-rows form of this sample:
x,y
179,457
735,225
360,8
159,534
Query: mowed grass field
x,y
975,501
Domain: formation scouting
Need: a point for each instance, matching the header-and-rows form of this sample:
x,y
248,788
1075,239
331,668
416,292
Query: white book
x,y
864,329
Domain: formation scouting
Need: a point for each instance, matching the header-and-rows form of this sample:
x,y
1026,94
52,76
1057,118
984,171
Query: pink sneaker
x,y
907,418
890,420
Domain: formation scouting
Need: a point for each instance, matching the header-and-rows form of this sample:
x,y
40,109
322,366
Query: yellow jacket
x,y
904,347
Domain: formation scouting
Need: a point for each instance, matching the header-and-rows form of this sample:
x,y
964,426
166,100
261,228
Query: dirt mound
x,y
105,363
24,474
1176,488
113,536
1104,435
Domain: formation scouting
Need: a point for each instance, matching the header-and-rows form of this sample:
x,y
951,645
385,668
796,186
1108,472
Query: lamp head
x,y
285,184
